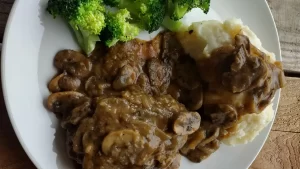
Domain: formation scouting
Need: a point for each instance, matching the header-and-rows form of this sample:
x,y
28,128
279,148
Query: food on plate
x,y
118,28
249,126
141,104
148,14
95,20
178,8
213,34
203,37
86,18
116,108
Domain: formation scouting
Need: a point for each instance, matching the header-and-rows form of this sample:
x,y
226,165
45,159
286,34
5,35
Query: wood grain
x,y
7,1
281,151
12,155
5,6
286,14
288,117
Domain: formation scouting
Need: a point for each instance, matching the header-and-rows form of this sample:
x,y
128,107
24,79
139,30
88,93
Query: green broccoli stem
x,y
132,7
178,11
86,41
172,25
111,43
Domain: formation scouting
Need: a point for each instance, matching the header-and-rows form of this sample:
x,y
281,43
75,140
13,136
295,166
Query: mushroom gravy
x,y
139,104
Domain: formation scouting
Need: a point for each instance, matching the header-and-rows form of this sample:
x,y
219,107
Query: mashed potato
x,y
201,39
249,126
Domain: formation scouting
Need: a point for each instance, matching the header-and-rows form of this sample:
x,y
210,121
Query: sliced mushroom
x,y
64,82
78,113
196,99
88,143
193,140
193,99
127,76
61,101
86,125
176,162
224,115
99,88
210,148
175,91
119,139
177,142
213,137
53,85
187,123
73,62
69,146
196,155
69,83
91,86
201,153
146,129
155,138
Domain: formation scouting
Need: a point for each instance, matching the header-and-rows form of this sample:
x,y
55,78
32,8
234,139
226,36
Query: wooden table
x,y
282,150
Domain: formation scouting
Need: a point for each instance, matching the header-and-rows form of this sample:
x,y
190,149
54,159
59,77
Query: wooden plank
x,y
288,117
5,6
280,152
12,155
3,19
286,14
7,1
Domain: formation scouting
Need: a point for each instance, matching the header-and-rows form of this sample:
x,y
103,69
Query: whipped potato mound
x,y
200,40
249,126
203,37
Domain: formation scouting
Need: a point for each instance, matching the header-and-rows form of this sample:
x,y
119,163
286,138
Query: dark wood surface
x,y
281,151
12,156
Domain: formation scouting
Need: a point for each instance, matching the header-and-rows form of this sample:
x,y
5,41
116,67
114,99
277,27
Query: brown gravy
x,y
139,104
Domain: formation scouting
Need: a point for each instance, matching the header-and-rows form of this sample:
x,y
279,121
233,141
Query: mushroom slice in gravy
x,y
138,104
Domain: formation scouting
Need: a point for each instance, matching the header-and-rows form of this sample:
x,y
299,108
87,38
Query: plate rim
x,y
3,85
279,91
10,114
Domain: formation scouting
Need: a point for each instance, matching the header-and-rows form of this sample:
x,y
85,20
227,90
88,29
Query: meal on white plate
x,y
127,103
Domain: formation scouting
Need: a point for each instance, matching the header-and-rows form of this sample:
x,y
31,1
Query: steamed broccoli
x,y
86,17
118,28
148,14
178,8
172,25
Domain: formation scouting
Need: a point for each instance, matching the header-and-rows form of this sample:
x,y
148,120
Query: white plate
x,y
31,40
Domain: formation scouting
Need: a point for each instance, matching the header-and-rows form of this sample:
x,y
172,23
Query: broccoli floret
x,y
86,17
172,25
118,28
148,14
113,3
178,8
